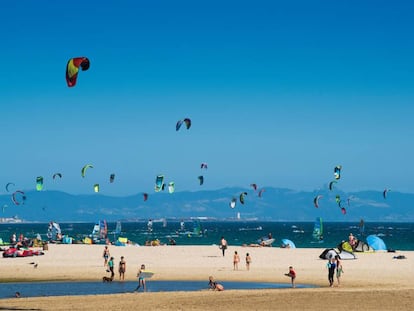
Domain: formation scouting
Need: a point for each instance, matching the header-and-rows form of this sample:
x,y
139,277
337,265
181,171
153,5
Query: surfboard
x,y
146,274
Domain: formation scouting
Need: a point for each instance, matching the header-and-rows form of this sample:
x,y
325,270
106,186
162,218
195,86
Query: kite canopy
x,y
18,197
233,203
384,193
39,183
186,121
254,186
72,69
331,184
159,183
316,200
337,171
203,165
318,229
83,171
145,196
57,175
241,197
201,179
8,185
261,193
171,187
96,188
376,243
111,178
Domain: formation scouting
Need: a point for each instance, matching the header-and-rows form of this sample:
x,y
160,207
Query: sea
x,y
396,236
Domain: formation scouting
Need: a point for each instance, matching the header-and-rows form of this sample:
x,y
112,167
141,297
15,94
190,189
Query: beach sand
x,y
374,281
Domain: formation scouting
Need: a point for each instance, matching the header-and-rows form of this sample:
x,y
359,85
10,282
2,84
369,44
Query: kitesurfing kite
x,y
331,184
8,185
145,196
316,200
39,183
57,175
254,186
159,183
4,207
261,192
233,203
111,178
318,229
83,171
171,187
384,193
72,69
18,195
241,197
203,165
337,171
187,122
201,179
96,188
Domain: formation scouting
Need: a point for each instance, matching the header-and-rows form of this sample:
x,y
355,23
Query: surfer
x,y
141,279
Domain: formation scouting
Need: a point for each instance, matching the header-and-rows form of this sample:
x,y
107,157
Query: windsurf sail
x,y
100,230
318,229
361,227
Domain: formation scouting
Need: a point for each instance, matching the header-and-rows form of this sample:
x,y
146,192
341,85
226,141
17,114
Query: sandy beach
x,y
374,281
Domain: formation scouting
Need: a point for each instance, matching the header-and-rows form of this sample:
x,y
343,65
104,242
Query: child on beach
x,y
248,261
292,275
213,285
141,279
236,260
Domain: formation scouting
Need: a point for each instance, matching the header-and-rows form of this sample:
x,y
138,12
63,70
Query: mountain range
x,y
275,204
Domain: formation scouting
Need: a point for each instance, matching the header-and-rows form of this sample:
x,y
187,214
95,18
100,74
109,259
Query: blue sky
x,y
279,93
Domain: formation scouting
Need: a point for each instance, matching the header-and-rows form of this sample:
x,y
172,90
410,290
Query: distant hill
x,y
275,204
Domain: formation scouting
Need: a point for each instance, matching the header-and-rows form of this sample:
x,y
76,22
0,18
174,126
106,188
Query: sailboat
x,y
317,233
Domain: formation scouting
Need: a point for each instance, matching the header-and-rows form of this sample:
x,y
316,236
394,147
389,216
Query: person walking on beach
x,y
122,269
111,267
331,271
248,261
106,255
223,245
339,270
236,260
292,275
141,279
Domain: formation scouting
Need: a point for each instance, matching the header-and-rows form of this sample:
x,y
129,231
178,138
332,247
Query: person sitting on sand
x,y
292,275
213,285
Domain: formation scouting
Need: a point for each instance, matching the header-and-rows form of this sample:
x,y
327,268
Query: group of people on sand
x,y
109,265
334,266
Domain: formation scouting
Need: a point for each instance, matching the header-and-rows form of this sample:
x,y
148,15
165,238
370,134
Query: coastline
x,y
376,277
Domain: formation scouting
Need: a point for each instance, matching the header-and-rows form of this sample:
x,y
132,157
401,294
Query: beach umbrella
x,y
376,243
288,243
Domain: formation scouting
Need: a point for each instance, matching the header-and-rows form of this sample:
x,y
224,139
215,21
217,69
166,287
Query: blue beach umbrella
x,y
288,243
376,243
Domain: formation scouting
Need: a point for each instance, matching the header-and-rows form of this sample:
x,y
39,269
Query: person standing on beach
x,y
111,267
106,255
122,269
331,271
292,275
141,279
248,261
236,260
339,270
223,245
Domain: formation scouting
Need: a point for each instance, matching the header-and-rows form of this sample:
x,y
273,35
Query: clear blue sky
x,y
279,93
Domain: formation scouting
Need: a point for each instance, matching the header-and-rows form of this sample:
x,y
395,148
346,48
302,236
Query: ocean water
x,y
397,236
39,289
